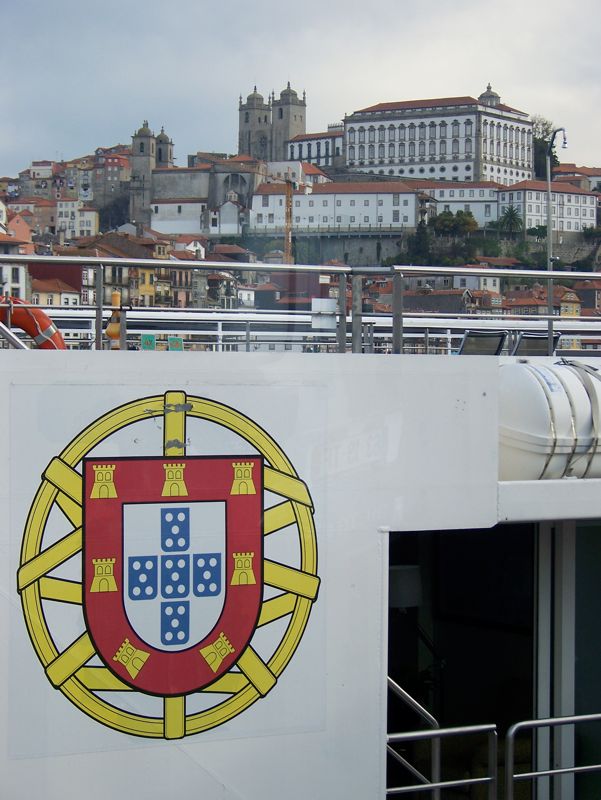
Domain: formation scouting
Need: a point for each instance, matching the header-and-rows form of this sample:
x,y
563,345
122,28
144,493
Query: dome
x,y
255,99
288,93
162,137
489,98
144,130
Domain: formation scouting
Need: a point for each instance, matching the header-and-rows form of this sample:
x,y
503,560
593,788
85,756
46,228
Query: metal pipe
x,y
357,310
12,338
99,282
341,330
550,240
397,312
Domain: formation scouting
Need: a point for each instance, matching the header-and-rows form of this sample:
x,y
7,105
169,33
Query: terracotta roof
x,y
541,186
573,169
364,187
51,285
229,248
594,283
197,168
437,102
311,169
178,200
183,255
301,137
5,238
425,183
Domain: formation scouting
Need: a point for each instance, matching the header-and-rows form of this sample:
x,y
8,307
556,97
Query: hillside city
x,y
446,181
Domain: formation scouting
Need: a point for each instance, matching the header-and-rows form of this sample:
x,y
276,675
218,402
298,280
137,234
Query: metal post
x,y
397,313
99,302
357,309
341,331
550,239
122,329
248,337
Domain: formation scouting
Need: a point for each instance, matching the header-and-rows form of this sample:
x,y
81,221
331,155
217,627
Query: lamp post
x,y
550,238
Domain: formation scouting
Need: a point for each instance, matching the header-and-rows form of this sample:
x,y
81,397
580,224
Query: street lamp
x,y
550,237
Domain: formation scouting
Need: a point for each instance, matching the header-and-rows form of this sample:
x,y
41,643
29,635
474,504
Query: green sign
x,y
148,341
175,343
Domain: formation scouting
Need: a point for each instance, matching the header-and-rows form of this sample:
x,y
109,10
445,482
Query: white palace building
x,y
453,138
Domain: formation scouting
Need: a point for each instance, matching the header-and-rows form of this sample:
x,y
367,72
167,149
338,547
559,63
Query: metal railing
x,y
434,787
536,724
398,323
432,722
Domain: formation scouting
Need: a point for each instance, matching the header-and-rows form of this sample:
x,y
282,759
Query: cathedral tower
x,y
164,145
254,127
143,161
288,116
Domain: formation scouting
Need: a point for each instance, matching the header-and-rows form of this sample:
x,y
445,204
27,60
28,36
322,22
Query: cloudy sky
x,y
77,75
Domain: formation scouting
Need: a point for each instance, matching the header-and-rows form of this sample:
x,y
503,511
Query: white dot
x,y
169,542
175,576
181,516
175,529
175,623
206,574
181,563
148,565
181,610
181,588
168,589
213,562
181,635
169,516
200,587
169,563
181,541
201,562
136,565
169,611
213,587
169,636
136,590
142,578
148,590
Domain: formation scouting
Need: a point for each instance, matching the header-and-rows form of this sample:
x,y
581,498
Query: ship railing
x,y
559,773
356,326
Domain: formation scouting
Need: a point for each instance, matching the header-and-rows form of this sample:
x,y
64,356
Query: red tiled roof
x,y
300,137
425,183
311,169
5,238
364,187
178,200
541,186
228,248
437,102
51,285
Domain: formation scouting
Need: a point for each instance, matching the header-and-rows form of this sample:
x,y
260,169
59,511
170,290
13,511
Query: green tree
x,y
539,232
465,223
542,130
510,222
418,246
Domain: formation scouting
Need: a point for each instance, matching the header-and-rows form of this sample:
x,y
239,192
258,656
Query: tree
x,y
418,246
465,223
542,129
510,222
539,232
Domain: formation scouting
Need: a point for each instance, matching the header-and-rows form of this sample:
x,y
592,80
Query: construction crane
x,y
290,187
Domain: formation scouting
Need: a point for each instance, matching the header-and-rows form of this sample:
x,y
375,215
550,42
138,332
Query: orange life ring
x,y
35,322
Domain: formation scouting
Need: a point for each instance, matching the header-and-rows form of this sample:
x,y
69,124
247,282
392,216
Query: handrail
x,y
533,724
435,744
441,733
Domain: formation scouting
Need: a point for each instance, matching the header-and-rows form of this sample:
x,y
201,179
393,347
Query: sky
x,y
78,75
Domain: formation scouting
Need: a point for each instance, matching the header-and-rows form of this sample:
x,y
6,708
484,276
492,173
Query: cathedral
x,y
265,128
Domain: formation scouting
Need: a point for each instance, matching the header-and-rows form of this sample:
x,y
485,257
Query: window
x,y
372,134
352,202
338,202
395,216
365,219
270,218
259,219
324,203
324,219
405,202
487,210
311,203
366,202
380,202
265,201
338,219
352,219
311,219
179,209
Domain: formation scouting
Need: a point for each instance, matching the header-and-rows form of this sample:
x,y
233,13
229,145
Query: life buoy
x,y
35,322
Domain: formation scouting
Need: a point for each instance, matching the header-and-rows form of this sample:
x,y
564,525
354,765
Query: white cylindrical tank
x,y
549,418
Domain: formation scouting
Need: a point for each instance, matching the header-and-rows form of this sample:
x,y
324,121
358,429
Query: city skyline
x,y
71,84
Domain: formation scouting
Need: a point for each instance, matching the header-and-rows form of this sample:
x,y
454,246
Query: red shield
x,y
173,555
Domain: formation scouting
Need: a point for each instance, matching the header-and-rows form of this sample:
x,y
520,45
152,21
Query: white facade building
x,y
573,209
454,138
360,206
3,217
75,220
324,149
178,215
478,199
